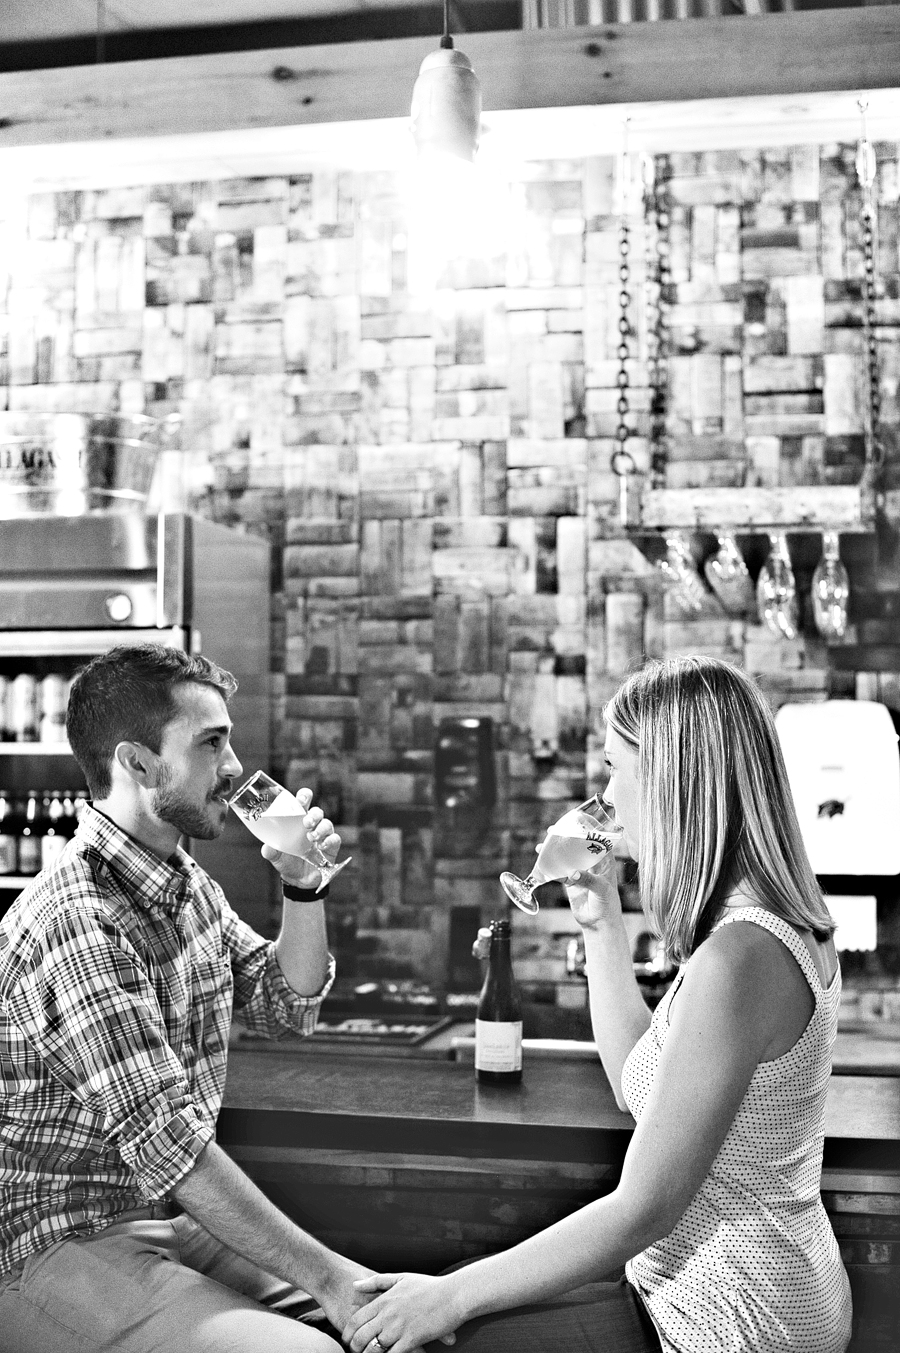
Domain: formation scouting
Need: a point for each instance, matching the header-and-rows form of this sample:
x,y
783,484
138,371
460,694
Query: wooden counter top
x,y
562,1111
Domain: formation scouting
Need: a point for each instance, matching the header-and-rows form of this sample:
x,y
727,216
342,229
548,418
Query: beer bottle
x,y
30,833
8,849
498,1023
54,838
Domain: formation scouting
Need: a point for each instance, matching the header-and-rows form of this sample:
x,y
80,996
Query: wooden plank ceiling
x,y
35,20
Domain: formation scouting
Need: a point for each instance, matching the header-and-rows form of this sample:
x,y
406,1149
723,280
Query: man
x,y
123,1226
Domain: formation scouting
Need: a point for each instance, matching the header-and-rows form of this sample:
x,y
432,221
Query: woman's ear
x,y
138,762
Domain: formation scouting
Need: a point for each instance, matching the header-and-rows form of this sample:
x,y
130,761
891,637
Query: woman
x,y
717,1216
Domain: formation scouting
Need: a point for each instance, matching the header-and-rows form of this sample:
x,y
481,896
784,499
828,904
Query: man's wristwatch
x,y
295,894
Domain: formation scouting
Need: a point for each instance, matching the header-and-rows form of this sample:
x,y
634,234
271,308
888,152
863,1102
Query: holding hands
x,y
411,1310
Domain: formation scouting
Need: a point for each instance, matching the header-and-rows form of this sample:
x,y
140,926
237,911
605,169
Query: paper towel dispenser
x,y
843,764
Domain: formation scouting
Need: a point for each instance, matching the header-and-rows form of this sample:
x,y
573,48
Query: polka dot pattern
x,y
753,1265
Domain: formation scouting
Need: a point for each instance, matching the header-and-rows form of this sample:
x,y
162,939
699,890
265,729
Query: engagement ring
x,y
377,1344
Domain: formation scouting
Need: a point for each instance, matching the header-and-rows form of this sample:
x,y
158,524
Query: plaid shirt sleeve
x,y
266,1003
84,1002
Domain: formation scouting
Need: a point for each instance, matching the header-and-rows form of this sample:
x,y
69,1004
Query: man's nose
x,y
231,766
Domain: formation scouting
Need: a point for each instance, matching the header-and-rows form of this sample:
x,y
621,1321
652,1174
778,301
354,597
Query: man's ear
x,y
138,762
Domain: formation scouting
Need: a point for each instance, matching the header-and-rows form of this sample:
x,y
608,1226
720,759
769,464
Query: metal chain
x,y
866,168
659,278
873,450
623,462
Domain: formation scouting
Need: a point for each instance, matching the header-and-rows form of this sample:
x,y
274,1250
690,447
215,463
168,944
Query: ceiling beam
x,y
841,49
346,21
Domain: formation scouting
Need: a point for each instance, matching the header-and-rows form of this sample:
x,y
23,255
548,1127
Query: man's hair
x,y
128,695
716,808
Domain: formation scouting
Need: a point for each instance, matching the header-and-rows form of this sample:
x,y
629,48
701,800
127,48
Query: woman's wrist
x,y
458,1295
609,923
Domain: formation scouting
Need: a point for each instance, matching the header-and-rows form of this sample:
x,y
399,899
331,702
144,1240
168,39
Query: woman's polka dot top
x,y
753,1265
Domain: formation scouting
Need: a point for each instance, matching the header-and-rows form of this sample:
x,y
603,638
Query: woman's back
x,y
753,1263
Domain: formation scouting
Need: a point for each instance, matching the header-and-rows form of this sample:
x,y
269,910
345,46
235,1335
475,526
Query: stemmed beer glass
x,y
573,843
275,816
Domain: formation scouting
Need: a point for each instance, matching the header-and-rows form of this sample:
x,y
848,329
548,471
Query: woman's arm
x,y
727,1008
619,1013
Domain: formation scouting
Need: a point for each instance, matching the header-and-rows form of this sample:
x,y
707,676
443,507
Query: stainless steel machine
x,y
72,587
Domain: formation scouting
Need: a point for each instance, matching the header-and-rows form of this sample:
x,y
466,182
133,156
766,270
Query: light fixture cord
x,y
446,40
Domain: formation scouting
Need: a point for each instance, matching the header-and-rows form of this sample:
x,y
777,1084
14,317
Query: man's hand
x,y
411,1310
340,1297
294,870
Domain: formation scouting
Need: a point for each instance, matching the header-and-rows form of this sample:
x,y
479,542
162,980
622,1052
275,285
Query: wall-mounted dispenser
x,y
844,768
465,775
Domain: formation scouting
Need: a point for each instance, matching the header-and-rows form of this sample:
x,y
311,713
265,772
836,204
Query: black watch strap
x,y
294,894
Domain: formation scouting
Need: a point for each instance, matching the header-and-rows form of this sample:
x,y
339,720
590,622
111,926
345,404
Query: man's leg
x,y
126,1290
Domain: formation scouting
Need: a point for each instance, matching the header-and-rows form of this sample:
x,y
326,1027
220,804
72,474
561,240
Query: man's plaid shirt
x,y
118,972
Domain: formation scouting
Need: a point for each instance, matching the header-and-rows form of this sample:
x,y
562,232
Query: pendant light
x,y
446,102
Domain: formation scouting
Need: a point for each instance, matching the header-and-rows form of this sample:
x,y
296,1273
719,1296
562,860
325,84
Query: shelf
x,y
846,508
16,880
35,749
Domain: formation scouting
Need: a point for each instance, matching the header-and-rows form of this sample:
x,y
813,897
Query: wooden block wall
x,y
434,470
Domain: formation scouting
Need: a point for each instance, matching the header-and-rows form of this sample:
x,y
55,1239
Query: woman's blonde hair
x,y
715,802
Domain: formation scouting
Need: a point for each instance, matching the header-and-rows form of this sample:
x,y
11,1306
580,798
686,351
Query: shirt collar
x,y
158,885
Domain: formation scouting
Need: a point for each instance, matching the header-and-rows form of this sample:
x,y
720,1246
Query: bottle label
x,y
29,855
52,847
498,1045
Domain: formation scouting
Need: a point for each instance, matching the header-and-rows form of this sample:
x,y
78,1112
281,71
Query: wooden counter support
x,y
409,1164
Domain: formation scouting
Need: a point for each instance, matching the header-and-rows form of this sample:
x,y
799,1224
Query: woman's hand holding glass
x,y
594,895
407,1310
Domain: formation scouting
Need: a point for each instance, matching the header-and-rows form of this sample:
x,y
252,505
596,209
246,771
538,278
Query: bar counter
x,y
563,1110
406,1163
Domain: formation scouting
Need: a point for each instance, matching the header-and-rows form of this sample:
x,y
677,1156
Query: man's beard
x,y
171,805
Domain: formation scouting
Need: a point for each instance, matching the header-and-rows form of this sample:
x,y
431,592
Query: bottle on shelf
x,y
71,812
23,708
5,695
9,855
54,836
498,1022
30,832
54,693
